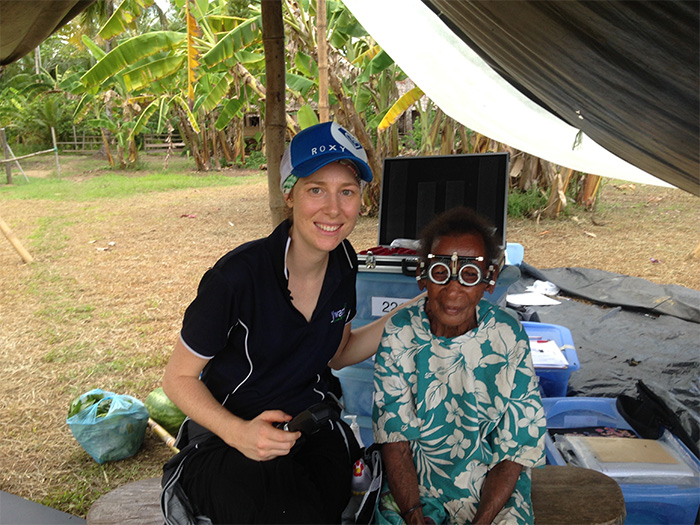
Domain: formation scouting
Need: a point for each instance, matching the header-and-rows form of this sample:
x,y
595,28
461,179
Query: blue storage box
x,y
357,382
554,381
652,498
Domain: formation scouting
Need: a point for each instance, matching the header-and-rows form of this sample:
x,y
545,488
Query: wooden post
x,y
15,241
12,155
323,106
55,150
275,115
6,153
696,253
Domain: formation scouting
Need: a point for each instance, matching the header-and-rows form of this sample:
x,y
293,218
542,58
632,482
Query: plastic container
x,y
554,381
653,498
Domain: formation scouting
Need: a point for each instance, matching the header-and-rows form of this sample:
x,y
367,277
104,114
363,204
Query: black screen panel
x,y
416,189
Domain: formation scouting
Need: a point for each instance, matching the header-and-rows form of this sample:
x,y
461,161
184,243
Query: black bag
x,y
649,415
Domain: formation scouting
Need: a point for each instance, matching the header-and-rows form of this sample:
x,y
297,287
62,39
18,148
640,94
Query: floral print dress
x,y
464,405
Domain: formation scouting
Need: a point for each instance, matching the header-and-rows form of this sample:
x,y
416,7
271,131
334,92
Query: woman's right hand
x,y
259,439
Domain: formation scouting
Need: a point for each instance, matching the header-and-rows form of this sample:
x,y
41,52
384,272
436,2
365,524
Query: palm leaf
x,y
190,116
162,114
96,50
122,17
230,110
145,75
306,117
378,64
399,107
217,93
129,52
245,35
299,83
306,64
82,108
145,115
193,31
367,55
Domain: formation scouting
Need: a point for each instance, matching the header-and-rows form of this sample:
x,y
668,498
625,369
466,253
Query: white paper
x,y
530,299
547,354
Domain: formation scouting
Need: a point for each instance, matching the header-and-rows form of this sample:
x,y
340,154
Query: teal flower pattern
x,y
464,405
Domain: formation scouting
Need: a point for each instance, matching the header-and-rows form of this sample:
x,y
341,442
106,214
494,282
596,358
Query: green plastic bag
x,y
108,426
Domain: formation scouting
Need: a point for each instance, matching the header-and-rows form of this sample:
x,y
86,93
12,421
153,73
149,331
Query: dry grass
x,y
89,313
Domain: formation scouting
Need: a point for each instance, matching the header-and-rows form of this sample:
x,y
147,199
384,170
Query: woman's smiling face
x,y
325,207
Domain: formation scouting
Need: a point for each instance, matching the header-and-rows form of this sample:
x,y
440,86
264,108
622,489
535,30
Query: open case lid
x,y
416,189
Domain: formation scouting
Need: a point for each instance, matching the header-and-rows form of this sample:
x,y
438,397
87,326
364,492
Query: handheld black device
x,y
310,420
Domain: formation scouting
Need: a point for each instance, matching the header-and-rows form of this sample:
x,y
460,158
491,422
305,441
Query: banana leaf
x,y
216,93
245,35
299,83
123,16
144,76
129,52
145,115
230,110
399,107
306,117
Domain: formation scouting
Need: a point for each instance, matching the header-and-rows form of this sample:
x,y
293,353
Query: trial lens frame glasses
x,y
443,268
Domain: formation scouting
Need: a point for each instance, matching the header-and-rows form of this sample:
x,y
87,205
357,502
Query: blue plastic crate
x,y
357,382
554,381
651,503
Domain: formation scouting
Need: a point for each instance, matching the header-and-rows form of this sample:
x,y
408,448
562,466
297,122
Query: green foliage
x,y
255,160
521,204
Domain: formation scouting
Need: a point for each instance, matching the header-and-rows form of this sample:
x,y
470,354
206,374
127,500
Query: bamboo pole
x,y
696,253
55,151
18,165
323,106
163,434
6,153
13,159
15,242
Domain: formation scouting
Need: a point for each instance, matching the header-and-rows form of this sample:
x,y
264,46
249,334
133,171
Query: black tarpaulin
x,y
625,73
619,345
25,24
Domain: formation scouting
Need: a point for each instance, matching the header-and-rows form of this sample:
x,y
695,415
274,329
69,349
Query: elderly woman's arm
x,y
497,489
403,480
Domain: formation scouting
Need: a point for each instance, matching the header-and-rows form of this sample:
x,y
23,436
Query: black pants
x,y
310,485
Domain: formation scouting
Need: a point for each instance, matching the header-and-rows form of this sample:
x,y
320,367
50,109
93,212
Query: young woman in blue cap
x,y
254,350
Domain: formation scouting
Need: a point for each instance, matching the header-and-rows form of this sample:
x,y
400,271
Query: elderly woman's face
x,y
451,307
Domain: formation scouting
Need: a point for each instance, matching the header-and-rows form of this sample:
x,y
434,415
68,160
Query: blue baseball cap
x,y
318,145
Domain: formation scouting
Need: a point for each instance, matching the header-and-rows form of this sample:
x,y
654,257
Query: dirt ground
x,y
102,304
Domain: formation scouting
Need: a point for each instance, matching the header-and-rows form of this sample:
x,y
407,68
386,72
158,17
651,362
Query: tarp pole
x,y
12,153
15,242
6,153
55,150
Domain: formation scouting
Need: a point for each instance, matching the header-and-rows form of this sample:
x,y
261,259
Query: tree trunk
x,y
323,107
275,117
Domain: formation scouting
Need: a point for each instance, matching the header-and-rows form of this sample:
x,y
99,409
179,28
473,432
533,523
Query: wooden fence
x,y
152,144
81,145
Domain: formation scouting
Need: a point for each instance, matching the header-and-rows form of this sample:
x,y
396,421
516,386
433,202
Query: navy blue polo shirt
x,y
263,353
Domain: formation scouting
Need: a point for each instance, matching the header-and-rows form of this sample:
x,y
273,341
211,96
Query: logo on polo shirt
x,y
339,315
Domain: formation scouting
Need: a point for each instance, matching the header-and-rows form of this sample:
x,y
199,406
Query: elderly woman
x,y
457,406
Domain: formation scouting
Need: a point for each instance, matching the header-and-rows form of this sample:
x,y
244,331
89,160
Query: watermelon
x,y
163,411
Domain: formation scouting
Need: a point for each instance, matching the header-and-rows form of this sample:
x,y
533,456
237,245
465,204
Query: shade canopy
x,y
604,87
26,24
